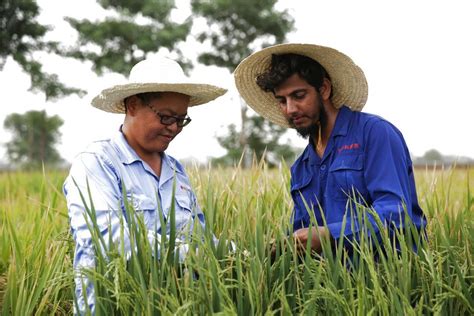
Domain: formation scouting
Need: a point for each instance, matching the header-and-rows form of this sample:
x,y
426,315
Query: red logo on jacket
x,y
348,147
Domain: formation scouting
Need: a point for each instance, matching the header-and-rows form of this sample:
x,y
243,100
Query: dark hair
x,y
284,66
145,97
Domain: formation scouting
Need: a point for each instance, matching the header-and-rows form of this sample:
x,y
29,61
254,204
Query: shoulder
x,y
375,125
97,154
380,134
96,147
365,119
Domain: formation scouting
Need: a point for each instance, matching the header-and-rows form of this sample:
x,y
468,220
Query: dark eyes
x,y
298,95
281,101
171,119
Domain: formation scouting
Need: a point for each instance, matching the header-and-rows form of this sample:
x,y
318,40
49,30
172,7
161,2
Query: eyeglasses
x,y
171,119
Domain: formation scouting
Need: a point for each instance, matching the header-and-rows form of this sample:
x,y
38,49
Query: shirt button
x,y
323,167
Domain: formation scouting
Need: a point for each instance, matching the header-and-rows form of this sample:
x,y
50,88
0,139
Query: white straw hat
x,y
156,74
349,85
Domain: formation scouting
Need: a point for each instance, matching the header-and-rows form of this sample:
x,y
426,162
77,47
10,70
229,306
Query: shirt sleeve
x,y
92,187
386,165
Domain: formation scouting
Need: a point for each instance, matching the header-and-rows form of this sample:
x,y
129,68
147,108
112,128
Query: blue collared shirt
x,y
111,169
365,155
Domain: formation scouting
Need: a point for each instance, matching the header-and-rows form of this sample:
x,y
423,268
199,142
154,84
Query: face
x,y
301,104
143,128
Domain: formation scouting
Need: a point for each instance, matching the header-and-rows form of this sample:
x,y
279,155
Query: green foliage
x,y
250,207
262,139
35,247
433,155
20,37
34,136
138,27
17,21
238,27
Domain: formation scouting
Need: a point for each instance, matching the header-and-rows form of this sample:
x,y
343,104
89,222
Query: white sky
x,y
417,56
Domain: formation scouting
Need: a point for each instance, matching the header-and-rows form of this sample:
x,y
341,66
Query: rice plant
x,y
249,208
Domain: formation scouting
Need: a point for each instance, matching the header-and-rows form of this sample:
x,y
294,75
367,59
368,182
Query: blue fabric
x,y
112,170
365,155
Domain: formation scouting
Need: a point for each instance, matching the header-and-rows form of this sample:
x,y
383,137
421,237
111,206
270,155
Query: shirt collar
x,y
168,168
126,153
128,156
342,122
340,129
310,154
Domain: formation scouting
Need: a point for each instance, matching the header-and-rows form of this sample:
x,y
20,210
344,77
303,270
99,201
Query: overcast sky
x,y
417,56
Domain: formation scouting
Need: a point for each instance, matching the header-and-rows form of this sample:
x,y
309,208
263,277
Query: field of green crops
x,y
251,208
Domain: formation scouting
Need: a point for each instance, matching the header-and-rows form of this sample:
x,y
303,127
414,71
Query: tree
x,y
136,28
34,136
433,156
20,38
263,138
235,29
142,26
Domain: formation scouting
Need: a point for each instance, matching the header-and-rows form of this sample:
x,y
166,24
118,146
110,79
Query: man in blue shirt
x,y
132,166
352,158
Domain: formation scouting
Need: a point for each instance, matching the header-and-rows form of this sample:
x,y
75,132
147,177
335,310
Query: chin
x,y
162,148
303,132
306,131
158,148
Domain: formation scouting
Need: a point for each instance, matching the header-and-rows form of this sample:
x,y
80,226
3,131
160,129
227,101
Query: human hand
x,y
302,235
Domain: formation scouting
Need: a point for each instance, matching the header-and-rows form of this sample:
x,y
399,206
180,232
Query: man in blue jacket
x,y
352,158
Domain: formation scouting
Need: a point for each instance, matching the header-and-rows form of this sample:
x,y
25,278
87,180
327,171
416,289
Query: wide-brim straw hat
x,y
349,85
156,74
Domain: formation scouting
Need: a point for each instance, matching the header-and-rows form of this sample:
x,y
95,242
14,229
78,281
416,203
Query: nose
x,y
174,128
291,106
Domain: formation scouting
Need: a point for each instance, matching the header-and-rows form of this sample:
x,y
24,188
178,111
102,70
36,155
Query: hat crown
x,y
155,74
349,85
157,70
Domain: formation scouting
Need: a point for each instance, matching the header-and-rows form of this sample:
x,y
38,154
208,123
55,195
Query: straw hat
x,y
349,85
157,74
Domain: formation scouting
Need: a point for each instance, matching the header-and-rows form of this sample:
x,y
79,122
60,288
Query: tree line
x,y
133,29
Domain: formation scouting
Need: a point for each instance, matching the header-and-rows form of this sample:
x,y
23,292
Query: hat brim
x,y
111,99
349,85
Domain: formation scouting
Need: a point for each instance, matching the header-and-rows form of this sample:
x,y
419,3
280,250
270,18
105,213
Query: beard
x,y
304,132
313,129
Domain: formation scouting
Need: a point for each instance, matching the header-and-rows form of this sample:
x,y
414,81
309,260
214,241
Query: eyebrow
x,y
171,112
291,93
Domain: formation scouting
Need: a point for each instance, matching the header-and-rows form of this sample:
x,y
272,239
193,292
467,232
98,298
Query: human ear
x,y
132,103
325,89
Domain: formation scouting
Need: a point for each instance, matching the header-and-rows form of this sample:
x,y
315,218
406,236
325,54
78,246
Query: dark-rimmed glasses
x,y
171,119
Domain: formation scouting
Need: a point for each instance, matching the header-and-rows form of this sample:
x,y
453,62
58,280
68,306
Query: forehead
x,y
171,101
292,84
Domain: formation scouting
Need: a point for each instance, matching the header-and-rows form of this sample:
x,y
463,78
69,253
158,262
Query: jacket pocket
x,y
142,202
346,177
184,201
146,208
